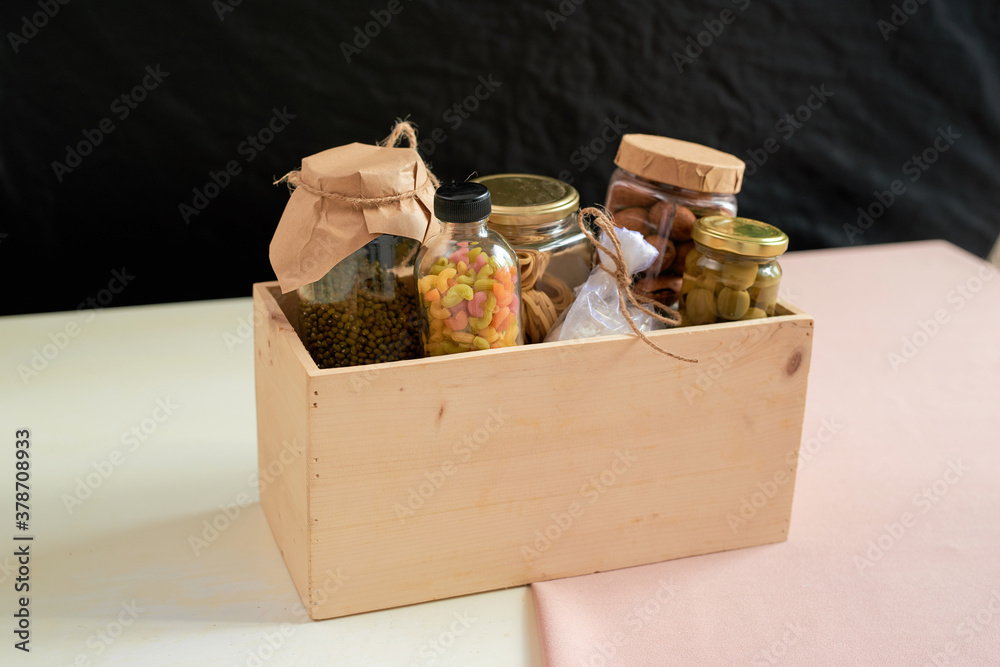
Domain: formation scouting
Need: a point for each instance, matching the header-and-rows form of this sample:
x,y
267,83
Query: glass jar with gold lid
x,y
540,213
732,273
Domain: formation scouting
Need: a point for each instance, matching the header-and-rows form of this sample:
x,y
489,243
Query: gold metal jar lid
x,y
680,163
741,236
529,199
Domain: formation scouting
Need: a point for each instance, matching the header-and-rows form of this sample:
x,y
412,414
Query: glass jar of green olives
x,y
364,310
732,273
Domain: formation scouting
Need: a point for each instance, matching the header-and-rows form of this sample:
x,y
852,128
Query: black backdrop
x,y
115,115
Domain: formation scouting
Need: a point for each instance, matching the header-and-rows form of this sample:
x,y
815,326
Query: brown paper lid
x,y
315,232
680,163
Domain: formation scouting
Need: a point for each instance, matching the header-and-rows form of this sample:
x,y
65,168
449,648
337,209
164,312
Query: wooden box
x,y
398,483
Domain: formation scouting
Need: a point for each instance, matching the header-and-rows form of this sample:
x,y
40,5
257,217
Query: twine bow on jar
x,y
544,297
403,128
623,279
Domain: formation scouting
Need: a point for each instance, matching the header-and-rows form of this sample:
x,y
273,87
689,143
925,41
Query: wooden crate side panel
x,y
444,477
282,434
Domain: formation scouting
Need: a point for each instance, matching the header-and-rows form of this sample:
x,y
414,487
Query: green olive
x,y
699,306
754,314
739,275
708,280
691,262
688,284
768,274
733,304
764,297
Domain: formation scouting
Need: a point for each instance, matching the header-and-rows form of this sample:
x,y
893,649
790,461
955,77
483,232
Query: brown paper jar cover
x,y
315,232
680,163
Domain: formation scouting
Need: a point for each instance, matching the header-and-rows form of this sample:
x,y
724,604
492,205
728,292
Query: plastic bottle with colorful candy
x,y
468,277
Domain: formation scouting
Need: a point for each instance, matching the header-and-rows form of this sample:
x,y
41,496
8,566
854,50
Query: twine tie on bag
x,y
403,128
623,280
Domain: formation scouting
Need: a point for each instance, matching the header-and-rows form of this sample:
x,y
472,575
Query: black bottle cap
x,y
462,202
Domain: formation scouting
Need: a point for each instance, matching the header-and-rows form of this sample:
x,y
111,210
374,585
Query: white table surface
x,y
129,541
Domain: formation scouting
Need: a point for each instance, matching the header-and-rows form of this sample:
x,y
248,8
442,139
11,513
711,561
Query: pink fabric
x,y
893,554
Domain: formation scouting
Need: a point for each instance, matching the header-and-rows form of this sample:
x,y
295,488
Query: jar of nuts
x,y
661,186
364,310
732,273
